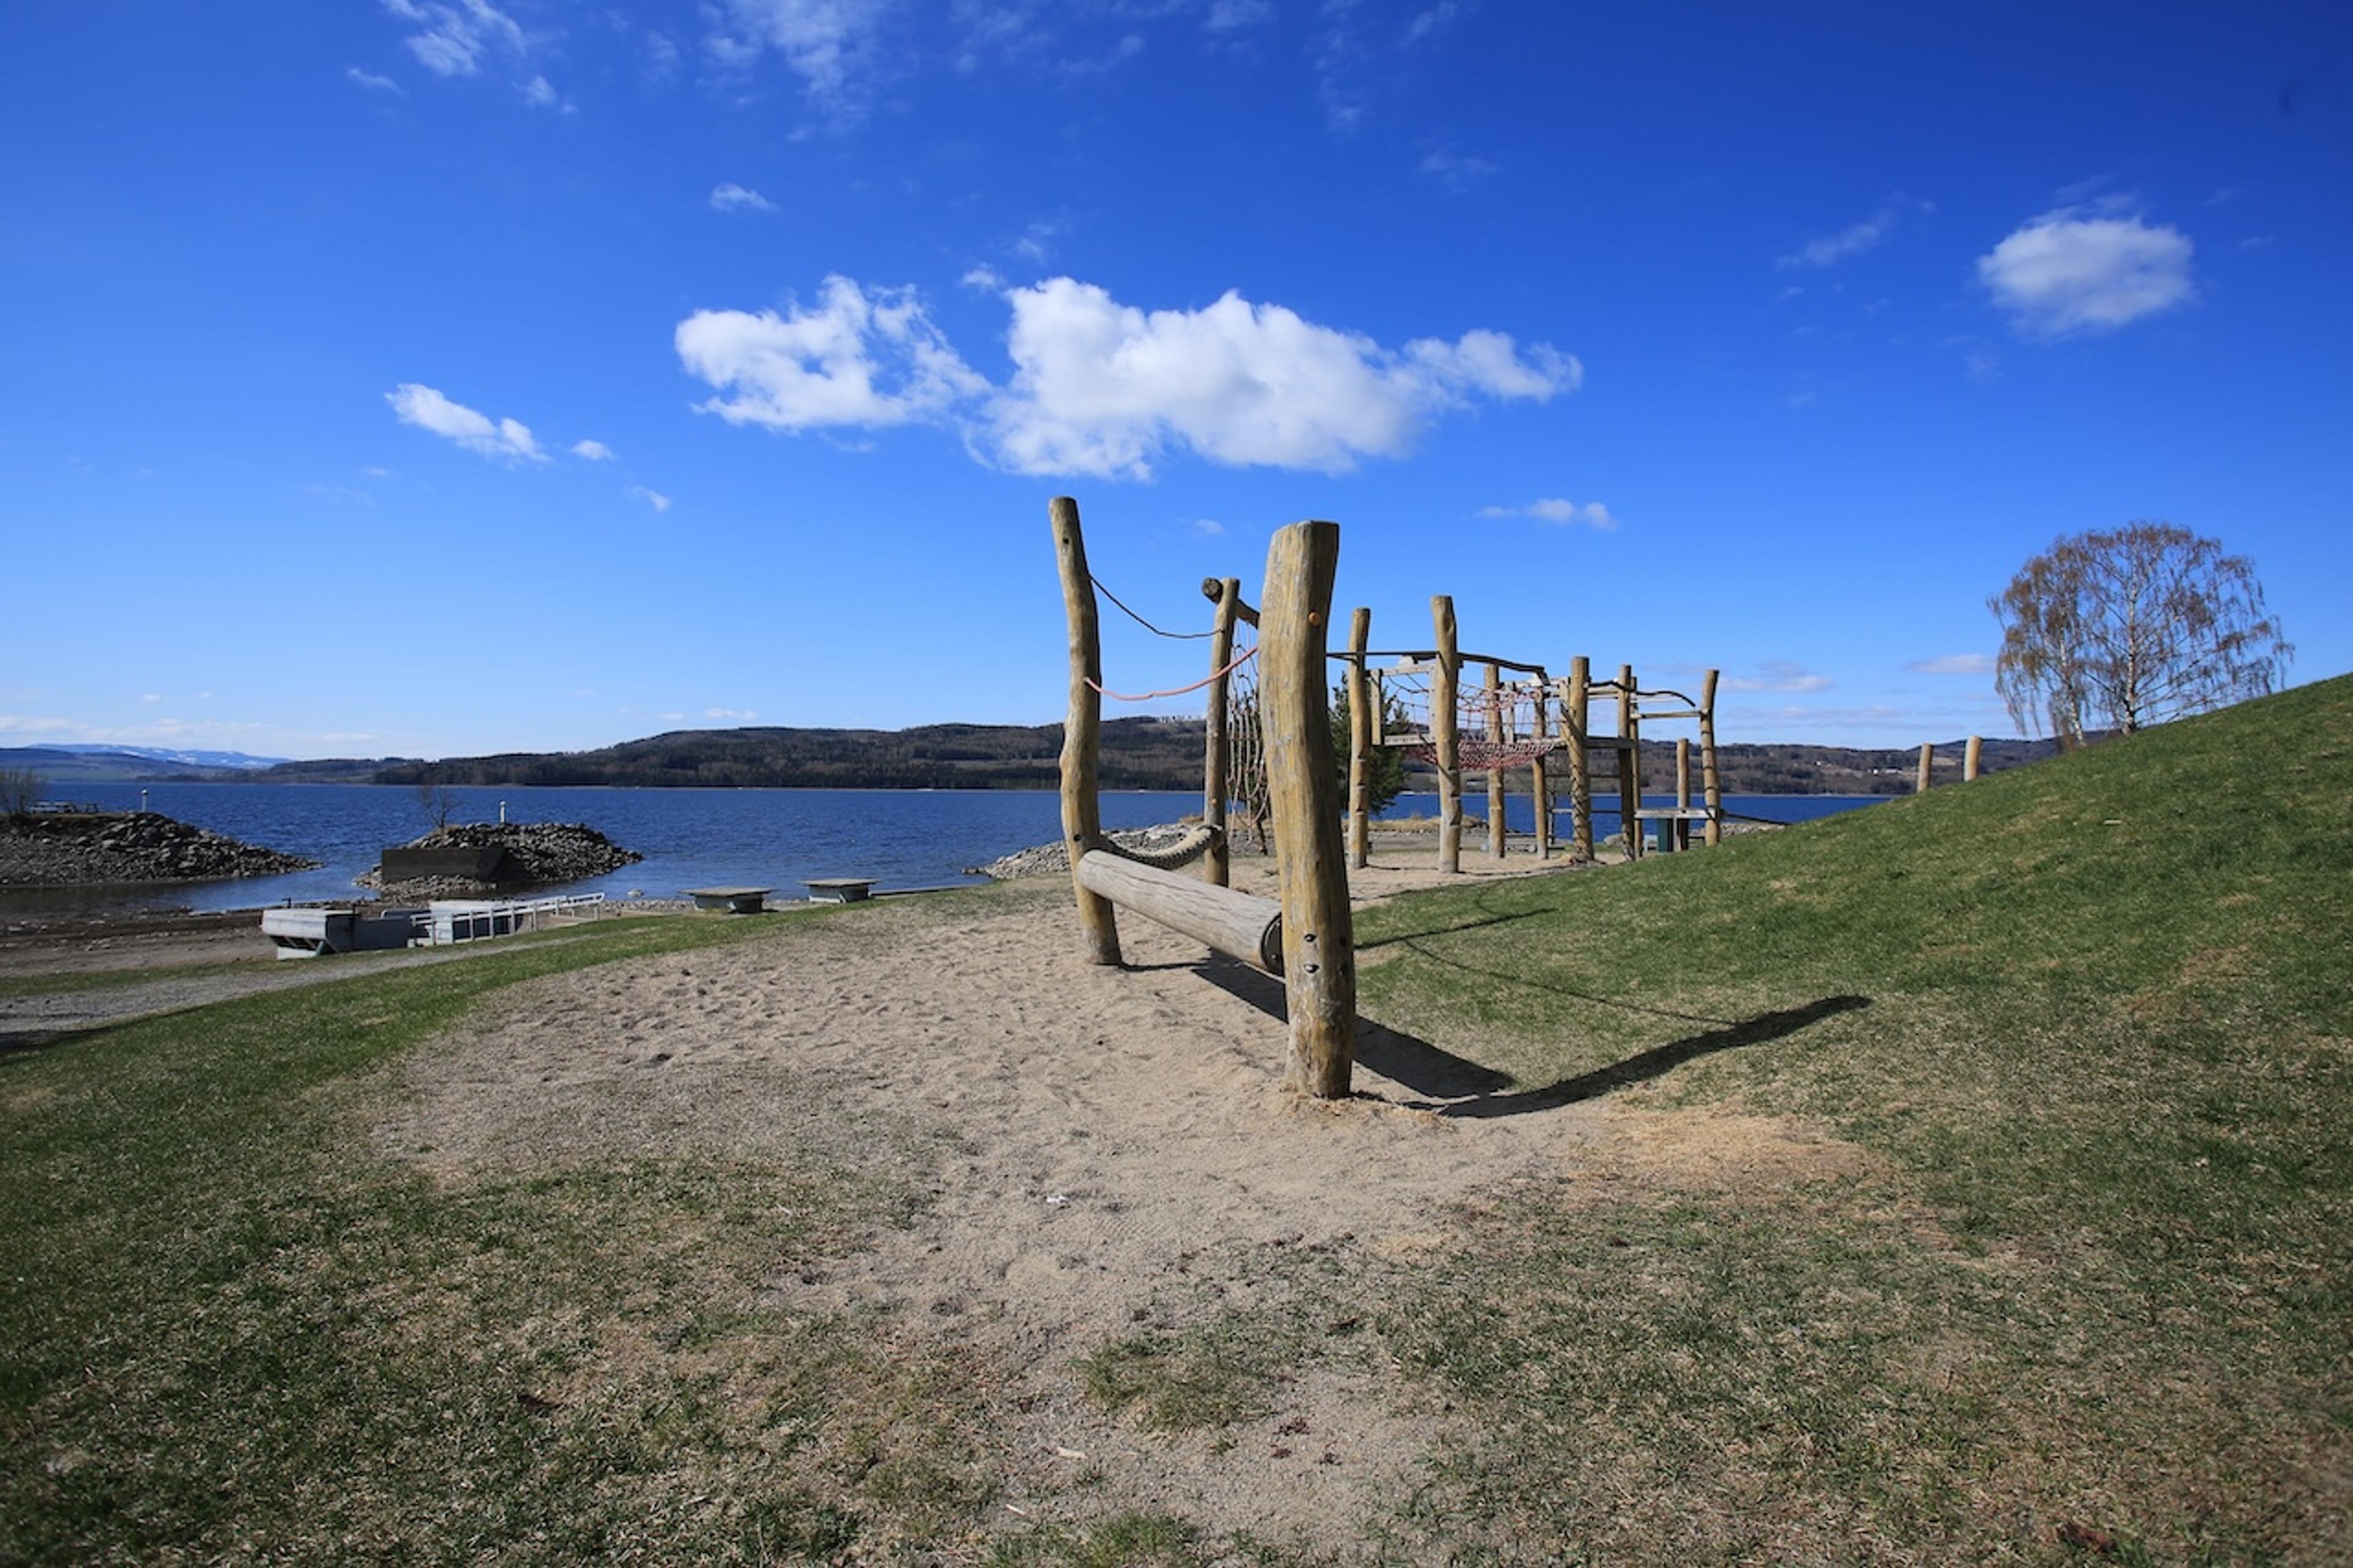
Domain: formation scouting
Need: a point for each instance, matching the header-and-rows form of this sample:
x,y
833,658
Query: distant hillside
x,y
100,765
1137,754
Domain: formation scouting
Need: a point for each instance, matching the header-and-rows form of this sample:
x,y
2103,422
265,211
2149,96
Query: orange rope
x,y
1247,655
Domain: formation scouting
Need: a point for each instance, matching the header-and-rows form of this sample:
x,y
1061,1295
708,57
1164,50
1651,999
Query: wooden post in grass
x,y
1581,772
1683,792
1971,757
1082,823
1494,768
1215,786
1442,736
1928,757
1319,959
1629,765
1711,781
1360,741
1537,779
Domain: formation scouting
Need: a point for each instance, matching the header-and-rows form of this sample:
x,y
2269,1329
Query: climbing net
x,y
1495,731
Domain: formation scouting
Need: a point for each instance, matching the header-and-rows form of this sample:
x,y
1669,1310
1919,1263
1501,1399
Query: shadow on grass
x,y
1472,1088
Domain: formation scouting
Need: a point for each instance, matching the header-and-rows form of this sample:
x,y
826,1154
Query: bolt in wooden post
x,y
1927,757
1711,781
1683,792
1319,957
1971,757
1215,786
1576,716
1494,771
1082,822
1629,765
1360,741
1443,683
1539,783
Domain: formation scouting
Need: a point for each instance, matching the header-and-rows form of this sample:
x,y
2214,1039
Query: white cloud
x,y
1856,237
1208,527
1954,663
2070,272
1779,675
654,499
1232,16
1102,388
732,197
984,278
428,410
595,451
823,42
851,360
373,82
1551,509
540,93
737,715
453,40
1455,172
150,696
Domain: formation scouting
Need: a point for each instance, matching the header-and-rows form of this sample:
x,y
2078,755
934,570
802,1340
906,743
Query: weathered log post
x,y
1082,821
1927,759
1319,958
1495,846
1630,764
1360,741
1539,783
1580,771
1442,736
1216,788
1683,792
1711,781
1971,758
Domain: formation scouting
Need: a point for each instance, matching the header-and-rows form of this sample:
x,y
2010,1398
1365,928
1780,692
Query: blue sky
x,y
441,376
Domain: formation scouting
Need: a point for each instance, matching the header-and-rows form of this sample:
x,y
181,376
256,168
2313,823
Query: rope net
x,y
1246,751
1494,731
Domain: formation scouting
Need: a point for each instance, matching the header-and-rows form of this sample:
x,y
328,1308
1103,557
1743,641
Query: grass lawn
x,y
1980,1188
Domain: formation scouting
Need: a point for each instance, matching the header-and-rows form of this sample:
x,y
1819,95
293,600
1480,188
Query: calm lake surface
x,y
690,837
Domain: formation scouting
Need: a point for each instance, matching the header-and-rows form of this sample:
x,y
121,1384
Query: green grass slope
x,y
2074,1269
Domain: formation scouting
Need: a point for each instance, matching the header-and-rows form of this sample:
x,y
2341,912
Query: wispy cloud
x,y
829,45
1234,15
1954,663
2079,270
1455,171
1830,250
1779,675
427,409
1104,388
726,715
457,39
1563,513
373,82
595,451
652,497
731,197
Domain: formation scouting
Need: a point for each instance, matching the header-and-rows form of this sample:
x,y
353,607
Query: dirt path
x,y
1119,1150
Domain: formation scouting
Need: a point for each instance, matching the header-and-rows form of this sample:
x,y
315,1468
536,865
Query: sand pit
x,y
1105,1150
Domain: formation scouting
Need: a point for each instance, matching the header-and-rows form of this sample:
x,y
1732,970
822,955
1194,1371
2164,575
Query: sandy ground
x,y
1121,1154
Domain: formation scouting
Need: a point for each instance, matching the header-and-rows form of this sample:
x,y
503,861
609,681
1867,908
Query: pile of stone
x,y
1047,858
519,855
85,848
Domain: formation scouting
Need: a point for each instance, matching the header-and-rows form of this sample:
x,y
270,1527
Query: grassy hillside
x,y
2054,1231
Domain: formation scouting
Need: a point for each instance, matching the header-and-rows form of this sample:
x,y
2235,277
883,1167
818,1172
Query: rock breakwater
x,y
91,848
531,855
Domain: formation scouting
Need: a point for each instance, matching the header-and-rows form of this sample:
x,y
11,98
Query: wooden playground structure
x,y
1516,716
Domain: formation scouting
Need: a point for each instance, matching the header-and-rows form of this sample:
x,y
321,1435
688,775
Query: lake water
x,y
690,837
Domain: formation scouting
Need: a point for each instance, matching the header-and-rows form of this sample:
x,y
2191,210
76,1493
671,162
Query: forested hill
x,y
1137,754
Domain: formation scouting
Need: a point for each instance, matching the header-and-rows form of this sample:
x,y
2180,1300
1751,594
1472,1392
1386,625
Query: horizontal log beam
x,y
1240,925
1210,588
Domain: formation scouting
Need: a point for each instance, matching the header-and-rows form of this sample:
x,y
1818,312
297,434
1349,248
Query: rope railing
x,y
1244,658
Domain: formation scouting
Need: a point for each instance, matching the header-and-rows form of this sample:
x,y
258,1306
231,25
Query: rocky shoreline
x,y
92,848
535,854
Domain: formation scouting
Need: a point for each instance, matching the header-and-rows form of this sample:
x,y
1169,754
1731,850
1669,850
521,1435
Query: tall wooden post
x,y
1539,783
1580,771
1216,788
1711,781
1319,957
1495,770
1927,757
1360,741
1971,757
1629,765
1683,792
1082,823
1443,740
